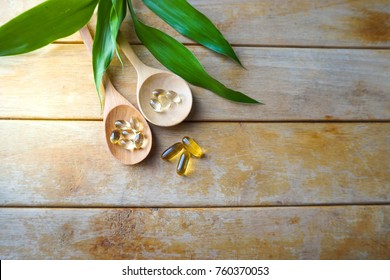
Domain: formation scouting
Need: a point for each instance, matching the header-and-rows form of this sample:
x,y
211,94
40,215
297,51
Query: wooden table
x,y
305,176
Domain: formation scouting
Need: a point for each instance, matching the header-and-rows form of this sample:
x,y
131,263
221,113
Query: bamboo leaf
x,y
109,18
193,24
177,58
44,24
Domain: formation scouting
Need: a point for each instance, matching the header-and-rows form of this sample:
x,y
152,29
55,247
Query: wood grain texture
x,y
321,61
295,84
355,232
64,163
355,23
346,23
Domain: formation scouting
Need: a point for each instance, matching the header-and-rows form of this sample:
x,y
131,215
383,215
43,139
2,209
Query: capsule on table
x,y
172,151
183,163
192,146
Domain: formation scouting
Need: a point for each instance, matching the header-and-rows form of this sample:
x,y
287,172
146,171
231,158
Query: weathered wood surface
x,y
62,163
317,61
296,84
354,232
335,23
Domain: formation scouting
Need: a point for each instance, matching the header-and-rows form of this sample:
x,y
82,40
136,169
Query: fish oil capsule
x,y
121,124
183,163
127,144
128,134
172,151
164,101
135,124
192,146
155,104
173,96
160,103
139,140
157,92
115,136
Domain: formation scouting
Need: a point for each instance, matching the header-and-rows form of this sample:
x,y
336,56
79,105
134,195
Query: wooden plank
x,y
356,232
345,23
65,163
296,84
322,23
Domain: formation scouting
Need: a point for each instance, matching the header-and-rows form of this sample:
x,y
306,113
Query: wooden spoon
x,y
150,79
116,107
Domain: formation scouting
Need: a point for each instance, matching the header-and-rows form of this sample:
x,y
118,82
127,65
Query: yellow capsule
x,y
135,124
172,151
139,140
173,96
126,144
155,104
128,134
160,103
121,124
115,136
157,92
192,146
183,163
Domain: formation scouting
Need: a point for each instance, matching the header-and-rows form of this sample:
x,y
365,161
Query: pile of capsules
x,y
128,134
186,148
162,100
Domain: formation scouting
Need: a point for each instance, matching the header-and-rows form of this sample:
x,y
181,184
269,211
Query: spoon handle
x,y
143,71
87,38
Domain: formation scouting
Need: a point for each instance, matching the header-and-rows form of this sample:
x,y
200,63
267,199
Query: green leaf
x,y
44,24
109,18
177,58
193,24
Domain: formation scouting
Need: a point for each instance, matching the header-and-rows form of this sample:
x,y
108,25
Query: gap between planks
x,y
329,205
257,46
211,121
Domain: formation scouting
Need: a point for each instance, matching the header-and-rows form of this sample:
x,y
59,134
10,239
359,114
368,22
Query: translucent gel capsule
x,y
172,151
160,103
155,104
121,124
173,96
128,134
127,144
157,92
135,124
164,101
192,146
139,140
183,163
115,136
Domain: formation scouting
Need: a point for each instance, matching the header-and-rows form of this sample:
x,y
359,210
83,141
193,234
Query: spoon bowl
x,y
124,112
177,112
116,107
150,79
